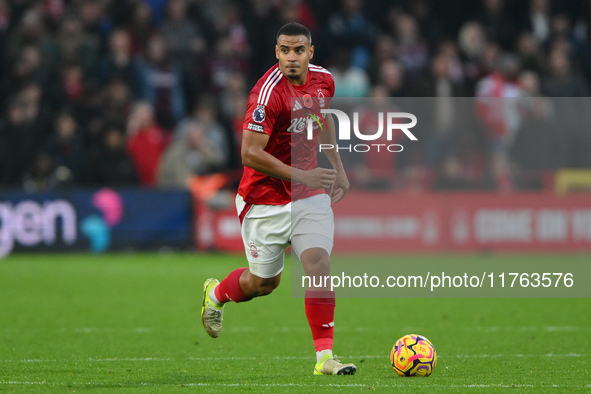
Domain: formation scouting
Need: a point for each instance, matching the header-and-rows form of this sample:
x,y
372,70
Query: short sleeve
x,y
259,117
331,86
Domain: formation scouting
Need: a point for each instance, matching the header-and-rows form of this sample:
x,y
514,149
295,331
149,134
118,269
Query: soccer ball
x,y
413,355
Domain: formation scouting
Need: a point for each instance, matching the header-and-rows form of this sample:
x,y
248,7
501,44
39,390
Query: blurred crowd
x,y
153,92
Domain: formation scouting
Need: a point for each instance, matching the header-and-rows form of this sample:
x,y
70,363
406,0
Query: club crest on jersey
x,y
258,115
321,100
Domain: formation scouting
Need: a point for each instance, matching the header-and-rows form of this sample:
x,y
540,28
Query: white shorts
x,y
267,230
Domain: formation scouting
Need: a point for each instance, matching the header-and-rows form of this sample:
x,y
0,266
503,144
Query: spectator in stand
x,y
94,17
349,27
384,50
194,153
229,24
223,64
455,70
235,89
572,109
141,27
539,129
490,58
25,70
375,170
162,84
261,16
472,43
537,20
392,78
146,141
235,122
75,45
411,50
497,25
23,132
187,45
41,174
206,114
115,101
157,9
5,27
110,164
530,52
440,81
8,174
36,107
29,30
563,38
561,80
71,88
350,80
529,82
11,126
120,63
443,115
66,147
430,26
299,11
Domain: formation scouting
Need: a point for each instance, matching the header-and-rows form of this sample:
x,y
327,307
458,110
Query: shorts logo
x,y
254,252
258,115
256,127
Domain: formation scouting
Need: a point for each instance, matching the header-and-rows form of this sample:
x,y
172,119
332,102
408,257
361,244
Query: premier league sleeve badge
x,y
258,115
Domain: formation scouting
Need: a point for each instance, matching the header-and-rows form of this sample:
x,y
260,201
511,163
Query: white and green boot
x,y
212,315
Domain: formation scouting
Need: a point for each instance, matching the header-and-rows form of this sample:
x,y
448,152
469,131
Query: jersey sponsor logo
x,y
297,106
258,115
256,127
297,125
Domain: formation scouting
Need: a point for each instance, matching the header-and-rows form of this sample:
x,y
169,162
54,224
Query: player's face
x,y
294,54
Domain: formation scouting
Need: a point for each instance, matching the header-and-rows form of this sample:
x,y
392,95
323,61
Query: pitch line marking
x,y
137,359
199,384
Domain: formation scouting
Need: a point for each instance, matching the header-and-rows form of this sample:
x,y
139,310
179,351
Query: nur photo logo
x,y
388,123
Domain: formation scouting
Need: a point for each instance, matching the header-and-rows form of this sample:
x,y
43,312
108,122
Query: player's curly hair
x,y
295,29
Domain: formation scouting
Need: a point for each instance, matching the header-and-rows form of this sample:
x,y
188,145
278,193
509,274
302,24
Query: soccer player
x,y
281,199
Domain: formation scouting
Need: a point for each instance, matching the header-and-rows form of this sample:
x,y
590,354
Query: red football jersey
x,y
270,111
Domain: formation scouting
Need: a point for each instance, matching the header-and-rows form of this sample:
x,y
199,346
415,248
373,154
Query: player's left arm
x,y
341,185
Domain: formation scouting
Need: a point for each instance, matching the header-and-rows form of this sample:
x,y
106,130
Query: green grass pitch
x,y
130,322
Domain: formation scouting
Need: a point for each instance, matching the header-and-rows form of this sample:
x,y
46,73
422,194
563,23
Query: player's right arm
x,y
254,156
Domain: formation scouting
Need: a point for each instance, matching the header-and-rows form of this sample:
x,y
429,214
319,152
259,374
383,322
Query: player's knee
x,y
267,286
316,262
263,286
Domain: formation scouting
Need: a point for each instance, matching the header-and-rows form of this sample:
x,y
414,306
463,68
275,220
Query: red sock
x,y
320,313
229,289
